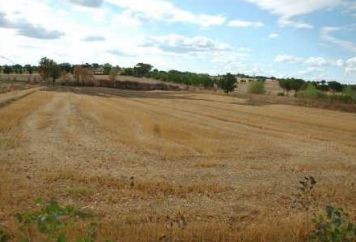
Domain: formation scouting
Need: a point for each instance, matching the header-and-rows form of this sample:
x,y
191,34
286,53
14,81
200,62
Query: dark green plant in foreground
x,y
52,221
4,235
335,227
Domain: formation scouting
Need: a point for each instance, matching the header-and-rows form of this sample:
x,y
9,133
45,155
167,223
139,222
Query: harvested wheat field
x,y
174,166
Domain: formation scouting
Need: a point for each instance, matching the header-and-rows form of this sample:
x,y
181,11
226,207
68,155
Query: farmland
x,y
174,165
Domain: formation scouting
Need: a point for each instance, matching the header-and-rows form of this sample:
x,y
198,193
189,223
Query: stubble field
x,y
191,166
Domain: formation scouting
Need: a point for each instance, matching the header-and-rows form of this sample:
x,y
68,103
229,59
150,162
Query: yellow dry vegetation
x,y
194,166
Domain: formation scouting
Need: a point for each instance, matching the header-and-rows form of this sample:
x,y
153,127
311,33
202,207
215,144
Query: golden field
x,y
174,166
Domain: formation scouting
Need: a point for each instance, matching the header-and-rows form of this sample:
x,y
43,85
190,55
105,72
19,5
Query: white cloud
x,y
350,65
242,23
289,9
326,35
273,35
180,44
167,11
288,59
309,61
88,3
318,64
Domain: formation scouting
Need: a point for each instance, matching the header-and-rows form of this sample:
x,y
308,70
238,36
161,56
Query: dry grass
x,y
172,166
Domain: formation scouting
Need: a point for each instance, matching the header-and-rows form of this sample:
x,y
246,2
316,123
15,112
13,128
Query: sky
x,y
310,39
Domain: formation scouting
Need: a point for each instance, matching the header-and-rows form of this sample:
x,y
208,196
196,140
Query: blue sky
x,y
312,39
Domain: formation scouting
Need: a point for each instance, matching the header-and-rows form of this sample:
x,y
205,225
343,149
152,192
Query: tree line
x,y
51,70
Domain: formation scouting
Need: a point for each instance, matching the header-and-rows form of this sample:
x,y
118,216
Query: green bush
x,y
256,87
311,92
335,227
52,221
349,92
280,94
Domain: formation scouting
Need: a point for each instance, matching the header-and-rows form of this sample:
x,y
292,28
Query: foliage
x,y
4,235
49,69
228,83
29,68
335,86
280,94
256,87
311,92
52,220
291,84
349,92
142,69
335,227
187,78
107,68
7,69
67,67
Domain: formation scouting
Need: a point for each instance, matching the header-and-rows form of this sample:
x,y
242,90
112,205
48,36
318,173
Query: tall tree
x,y
49,69
228,83
142,69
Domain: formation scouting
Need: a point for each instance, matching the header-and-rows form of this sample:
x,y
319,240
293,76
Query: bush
x,y
335,227
52,221
349,92
311,92
280,94
228,83
256,87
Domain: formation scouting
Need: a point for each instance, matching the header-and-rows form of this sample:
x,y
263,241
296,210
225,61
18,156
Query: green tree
x,y
49,69
335,86
29,68
67,67
228,83
107,68
7,69
141,69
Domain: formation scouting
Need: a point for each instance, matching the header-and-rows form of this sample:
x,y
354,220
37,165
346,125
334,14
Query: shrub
x,y
280,94
349,92
311,92
52,220
228,83
256,87
335,227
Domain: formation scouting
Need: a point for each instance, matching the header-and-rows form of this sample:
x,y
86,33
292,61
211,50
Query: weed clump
x,y
311,92
334,227
256,87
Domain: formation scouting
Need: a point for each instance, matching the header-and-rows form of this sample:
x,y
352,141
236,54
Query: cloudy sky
x,y
312,39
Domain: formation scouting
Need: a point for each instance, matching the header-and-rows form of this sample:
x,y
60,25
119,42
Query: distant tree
x,y
28,68
285,84
49,69
7,69
107,68
17,68
95,65
335,86
67,67
228,83
296,84
141,69
127,71
291,84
